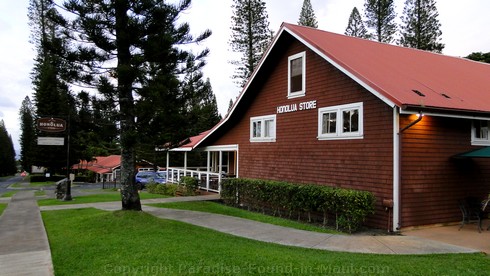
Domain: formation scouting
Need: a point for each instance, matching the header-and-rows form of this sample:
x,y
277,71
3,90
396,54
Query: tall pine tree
x,y
201,109
28,134
420,27
7,152
380,18
356,27
134,44
307,16
250,36
52,97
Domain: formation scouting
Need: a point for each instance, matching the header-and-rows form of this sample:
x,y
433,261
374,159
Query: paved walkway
x,y
24,247
283,235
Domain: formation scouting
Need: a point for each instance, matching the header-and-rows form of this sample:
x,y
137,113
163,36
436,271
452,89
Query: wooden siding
x,y
297,155
432,182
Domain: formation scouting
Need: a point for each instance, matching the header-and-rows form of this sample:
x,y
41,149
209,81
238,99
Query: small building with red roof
x,y
107,168
341,111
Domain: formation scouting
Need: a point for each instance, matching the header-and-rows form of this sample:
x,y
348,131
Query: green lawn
x,y
9,194
213,207
94,242
102,197
2,207
42,184
12,193
33,184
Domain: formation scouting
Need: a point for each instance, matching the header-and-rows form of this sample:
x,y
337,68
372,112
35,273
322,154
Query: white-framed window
x,y
263,129
341,122
297,75
480,133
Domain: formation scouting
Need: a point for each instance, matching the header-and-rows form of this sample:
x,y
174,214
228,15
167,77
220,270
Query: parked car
x,y
145,177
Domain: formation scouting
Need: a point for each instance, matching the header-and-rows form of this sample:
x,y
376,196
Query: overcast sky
x,y
464,30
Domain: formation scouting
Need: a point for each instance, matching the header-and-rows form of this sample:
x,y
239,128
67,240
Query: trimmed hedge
x,y
350,207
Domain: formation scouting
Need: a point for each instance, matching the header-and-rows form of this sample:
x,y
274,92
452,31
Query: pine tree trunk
x,y
129,193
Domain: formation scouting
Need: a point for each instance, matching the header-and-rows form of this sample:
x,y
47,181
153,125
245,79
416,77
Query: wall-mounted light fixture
x,y
420,116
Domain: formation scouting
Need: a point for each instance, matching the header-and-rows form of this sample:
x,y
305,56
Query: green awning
x,y
479,153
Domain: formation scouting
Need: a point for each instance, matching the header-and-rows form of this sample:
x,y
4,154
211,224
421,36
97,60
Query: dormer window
x,y
296,75
480,133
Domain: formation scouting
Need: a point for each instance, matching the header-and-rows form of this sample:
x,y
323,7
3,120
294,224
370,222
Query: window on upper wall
x,y
296,75
340,122
480,133
263,129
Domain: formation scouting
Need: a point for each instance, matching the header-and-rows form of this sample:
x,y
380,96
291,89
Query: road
x,y
6,182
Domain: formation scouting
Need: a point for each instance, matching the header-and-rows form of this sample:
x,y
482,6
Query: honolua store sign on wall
x,y
296,107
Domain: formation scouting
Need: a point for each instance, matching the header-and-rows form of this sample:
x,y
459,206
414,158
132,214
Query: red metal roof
x,y
403,77
191,142
395,72
101,164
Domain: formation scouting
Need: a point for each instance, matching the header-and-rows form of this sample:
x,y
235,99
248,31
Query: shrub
x,y
171,189
188,185
162,189
151,188
37,178
81,178
350,207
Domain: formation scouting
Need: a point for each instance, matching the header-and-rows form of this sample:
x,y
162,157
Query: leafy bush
x,y
170,189
350,207
162,189
188,186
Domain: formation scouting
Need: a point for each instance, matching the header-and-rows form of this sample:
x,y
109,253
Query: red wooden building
x,y
341,111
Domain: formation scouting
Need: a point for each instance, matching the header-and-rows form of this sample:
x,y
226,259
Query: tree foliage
x,y
28,134
131,51
420,27
307,16
380,19
52,97
250,36
356,27
479,56
7,152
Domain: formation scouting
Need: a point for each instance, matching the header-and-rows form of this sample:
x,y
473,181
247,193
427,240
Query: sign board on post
x,y
51,124
50,141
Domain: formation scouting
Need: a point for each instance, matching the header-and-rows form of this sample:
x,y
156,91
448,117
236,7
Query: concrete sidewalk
x,y
293,237
24,246
283,235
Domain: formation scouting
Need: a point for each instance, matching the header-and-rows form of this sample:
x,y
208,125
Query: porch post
x,y
208,169
167,165
185,164
219,170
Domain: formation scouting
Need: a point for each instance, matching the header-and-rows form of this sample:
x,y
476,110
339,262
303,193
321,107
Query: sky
x,y
463,23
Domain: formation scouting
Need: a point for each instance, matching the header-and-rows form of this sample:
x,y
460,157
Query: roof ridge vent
x,y
418,93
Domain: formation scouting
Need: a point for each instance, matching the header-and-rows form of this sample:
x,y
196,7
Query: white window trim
x,y
297,94
262,119
477,141
339,135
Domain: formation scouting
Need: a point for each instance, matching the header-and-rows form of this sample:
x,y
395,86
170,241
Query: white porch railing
x,y
208,181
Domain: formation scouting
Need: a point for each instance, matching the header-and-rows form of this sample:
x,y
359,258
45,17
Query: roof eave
x,y
445,112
